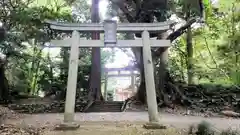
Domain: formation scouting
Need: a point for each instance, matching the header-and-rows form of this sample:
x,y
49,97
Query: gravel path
x,y
168,119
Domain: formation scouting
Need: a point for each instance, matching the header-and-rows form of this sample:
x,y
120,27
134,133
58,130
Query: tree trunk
x,y
64,66
163,78
34,71
35,79
4,91
189,50
95,77
105,87
141,93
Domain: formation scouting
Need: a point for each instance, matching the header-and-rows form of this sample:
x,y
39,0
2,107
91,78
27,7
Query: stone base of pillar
x,y
67,126
154,125
68,117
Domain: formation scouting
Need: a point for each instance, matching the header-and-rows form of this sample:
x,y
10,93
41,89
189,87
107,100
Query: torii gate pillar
x,y
72,78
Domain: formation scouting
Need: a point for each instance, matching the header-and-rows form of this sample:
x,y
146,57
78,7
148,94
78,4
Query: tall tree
x,y
95,76
146,11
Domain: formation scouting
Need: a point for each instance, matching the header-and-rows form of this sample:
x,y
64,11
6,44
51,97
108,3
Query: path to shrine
x,y
131,117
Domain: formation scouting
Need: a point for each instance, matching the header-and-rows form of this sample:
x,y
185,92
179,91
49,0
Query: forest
x,y
199,70
202,53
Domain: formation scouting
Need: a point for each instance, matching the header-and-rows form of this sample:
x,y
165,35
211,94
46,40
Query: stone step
x,y
108,106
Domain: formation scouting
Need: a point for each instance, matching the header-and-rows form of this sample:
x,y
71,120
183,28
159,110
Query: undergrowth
x,y
204,128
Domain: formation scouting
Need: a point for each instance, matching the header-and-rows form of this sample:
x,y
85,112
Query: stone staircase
x,y
106,106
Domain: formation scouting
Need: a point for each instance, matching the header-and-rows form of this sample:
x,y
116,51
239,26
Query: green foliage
x,y
216,46
31,68
235,77
204,129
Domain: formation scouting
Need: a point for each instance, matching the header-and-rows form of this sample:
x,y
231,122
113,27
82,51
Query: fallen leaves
x,y
8,129
6,113
52,107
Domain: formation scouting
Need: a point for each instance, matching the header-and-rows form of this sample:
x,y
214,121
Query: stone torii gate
x,y
119,71
110,28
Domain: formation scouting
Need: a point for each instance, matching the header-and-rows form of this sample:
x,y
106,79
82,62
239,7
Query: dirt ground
x,y
121,123
124,123
116,128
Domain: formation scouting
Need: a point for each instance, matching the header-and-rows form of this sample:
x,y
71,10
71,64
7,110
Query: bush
x,y
204,128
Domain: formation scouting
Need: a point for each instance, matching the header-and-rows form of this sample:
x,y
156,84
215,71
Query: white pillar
x,y
132,81
149,78
105,86
72,78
